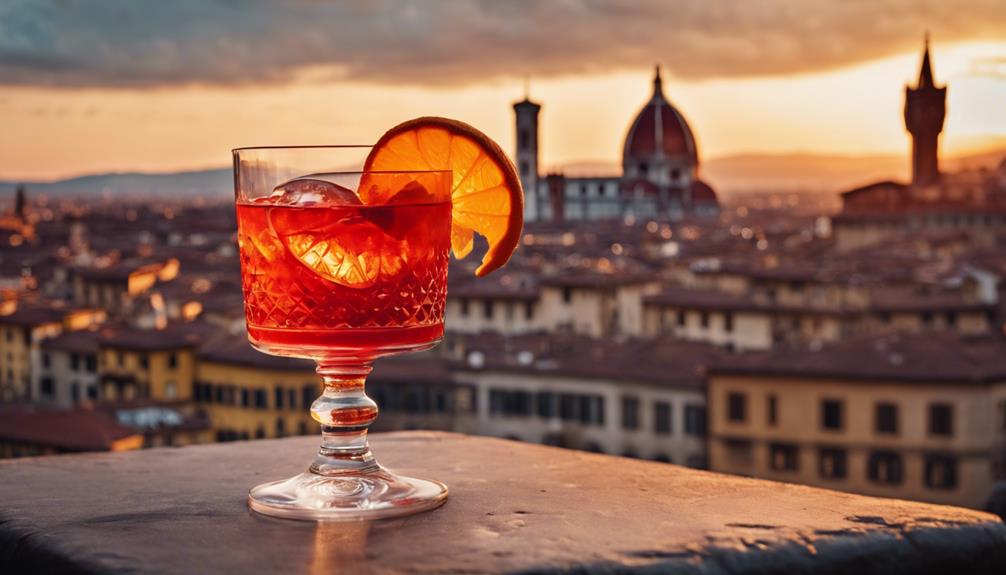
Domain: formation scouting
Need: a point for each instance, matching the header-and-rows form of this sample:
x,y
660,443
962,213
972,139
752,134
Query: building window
x,y
464,307
695,420
525,138
46,362
245,398
591,410
567,407
831,414
643,168
144,362
487,309
567,294
528,310
308,394
662,418
739,451
583,189
92,392
630,412
280,427
48,387
261,399
120,359
173,361
784,457
704,319
884,467
279,397
886,418
91,363
737,406
941,471
728,321
505,402
525,168
546,403
681,317
772,409
831,463
941,419
74,362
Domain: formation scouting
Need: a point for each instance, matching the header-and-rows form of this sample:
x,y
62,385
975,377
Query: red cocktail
x,y
328,277
326,280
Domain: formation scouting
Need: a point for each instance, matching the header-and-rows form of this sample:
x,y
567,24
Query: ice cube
x,y
303,192
412,193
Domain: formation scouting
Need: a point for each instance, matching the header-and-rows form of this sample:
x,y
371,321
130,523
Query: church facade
x,y
659,176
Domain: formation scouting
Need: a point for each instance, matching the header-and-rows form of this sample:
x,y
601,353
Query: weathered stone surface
x,y
513,508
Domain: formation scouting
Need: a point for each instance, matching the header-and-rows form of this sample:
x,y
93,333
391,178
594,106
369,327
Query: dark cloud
x,y
131,43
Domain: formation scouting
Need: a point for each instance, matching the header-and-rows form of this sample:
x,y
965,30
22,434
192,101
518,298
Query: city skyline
x,y
841,97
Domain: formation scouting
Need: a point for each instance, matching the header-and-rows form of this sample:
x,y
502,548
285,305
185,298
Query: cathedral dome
x,y
659,132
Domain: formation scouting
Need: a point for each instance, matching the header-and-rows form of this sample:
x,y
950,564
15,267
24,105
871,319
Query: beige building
x,y
595,305
67,373
592,304
908,416
21,333
635,399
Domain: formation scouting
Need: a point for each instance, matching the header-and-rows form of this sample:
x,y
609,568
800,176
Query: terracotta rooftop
x,y
78,430
583,279
663,361
32,316
174,336
237,351
937,357
81,341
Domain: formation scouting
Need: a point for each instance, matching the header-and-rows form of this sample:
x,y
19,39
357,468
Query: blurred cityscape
x,y
853,343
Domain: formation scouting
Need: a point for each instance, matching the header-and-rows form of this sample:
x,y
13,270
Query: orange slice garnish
x,y
338,245
486,194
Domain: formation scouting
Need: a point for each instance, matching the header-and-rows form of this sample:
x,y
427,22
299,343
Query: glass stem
x,y
344,412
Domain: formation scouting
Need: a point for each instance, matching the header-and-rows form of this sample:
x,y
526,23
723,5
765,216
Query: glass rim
x,y
300,147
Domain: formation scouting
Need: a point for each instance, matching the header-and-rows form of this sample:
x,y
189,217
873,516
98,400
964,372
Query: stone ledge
x,y
514,507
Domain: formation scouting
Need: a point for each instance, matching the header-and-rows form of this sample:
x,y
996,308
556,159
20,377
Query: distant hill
x,y
212,184
797,172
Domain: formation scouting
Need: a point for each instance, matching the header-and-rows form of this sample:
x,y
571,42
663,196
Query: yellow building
x,y
20,334
908,416
248,394
147,364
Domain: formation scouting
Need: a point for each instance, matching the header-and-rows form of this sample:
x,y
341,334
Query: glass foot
x,y
347,496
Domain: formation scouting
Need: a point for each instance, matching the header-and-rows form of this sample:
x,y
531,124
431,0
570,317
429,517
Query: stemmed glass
x,y
328,278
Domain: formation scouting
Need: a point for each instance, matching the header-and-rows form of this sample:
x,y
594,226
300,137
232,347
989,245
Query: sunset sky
x,y
101,85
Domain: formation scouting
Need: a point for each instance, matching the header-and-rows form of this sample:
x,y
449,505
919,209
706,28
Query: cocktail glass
x,y
330,279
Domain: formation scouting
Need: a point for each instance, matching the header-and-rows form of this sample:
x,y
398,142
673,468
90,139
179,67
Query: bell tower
x,y
925,110
526,156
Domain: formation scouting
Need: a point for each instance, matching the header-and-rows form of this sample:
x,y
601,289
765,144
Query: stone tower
x,y
20,204
925,110
526,156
